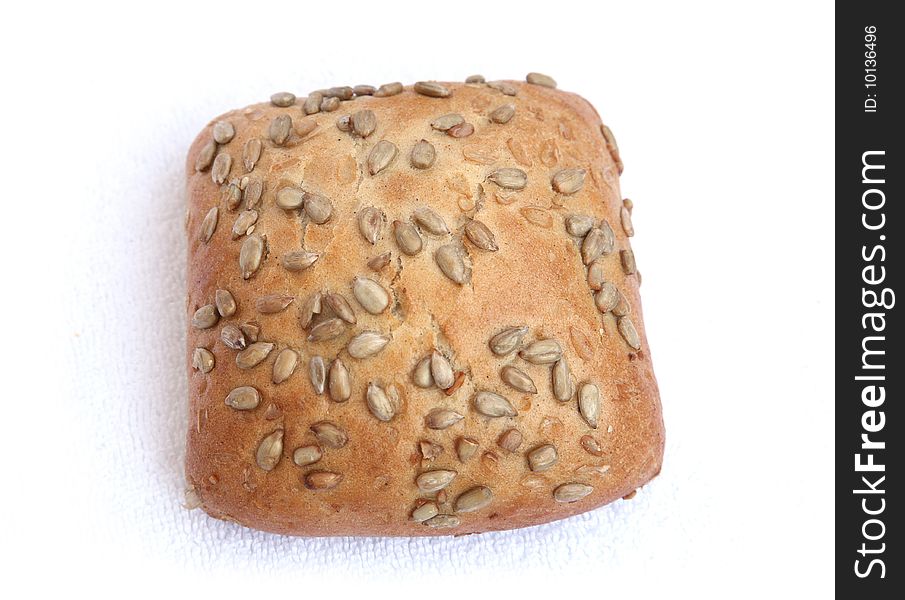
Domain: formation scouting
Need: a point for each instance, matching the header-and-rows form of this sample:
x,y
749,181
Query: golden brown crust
x,y
536,278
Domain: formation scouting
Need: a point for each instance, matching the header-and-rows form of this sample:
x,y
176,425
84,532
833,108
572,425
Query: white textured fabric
x,y
736,255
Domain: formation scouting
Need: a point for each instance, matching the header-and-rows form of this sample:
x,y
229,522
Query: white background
x,y
725,118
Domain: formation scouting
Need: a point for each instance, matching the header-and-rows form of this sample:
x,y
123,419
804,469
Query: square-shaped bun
x,y
414,310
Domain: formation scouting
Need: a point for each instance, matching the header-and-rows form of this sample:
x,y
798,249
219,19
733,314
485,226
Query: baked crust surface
x,y
536,278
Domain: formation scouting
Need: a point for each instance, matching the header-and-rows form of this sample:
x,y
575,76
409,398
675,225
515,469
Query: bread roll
x,y
414,311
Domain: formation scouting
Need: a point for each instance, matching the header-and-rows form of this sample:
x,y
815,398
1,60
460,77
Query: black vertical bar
x,y
869,271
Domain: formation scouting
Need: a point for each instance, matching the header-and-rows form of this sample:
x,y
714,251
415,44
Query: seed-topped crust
x,y
419,337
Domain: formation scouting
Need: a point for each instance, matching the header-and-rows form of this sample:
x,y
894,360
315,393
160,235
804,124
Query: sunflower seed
x,y
542,458
344,123
562,380
430,221
327,329
569,181
223,132
244,222
366,343
388,89
441,418
284,365
250,255
571,492
232,337
372,297
299,260
450,260
283,99
270,450
466,448
434,481
509,178
205,317
507,340
339,382
593,246
250,331
622,307
205,156
290,198
628,332
232,196
304,127
596,275
606,298
330,103
379,403
460,131
312,103
273,303
318,208
253,354
208,225
307,455
504,87
441,371
443,522
317,371
323,480
542,352
581,342
280,128
445,122
477,154
243,398
432,89
549,154
364,90
628,262
589,404
363,122
407,238
220,170
202,360
330,434
519,152
541,79
421,376
475,79
429,450
510,440
343,92
251,153
502,114
426,511
517,379
474,499
609,238
340,307
479,235
253,192
381,155
423,155
591,445
370,222
626,217
493,405
380,261
311,307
